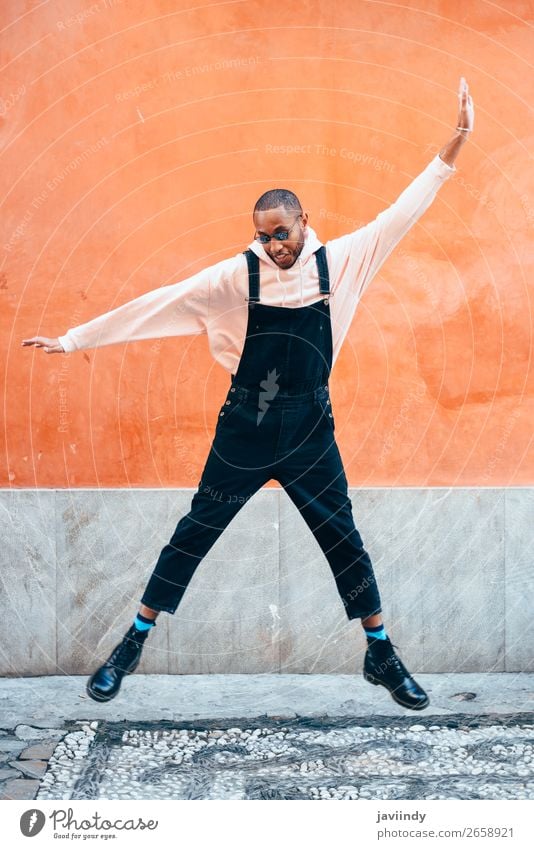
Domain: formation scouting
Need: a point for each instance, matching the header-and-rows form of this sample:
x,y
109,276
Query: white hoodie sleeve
x,y
362,252
179,309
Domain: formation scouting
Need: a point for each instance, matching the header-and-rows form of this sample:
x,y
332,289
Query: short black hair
x,y
278,197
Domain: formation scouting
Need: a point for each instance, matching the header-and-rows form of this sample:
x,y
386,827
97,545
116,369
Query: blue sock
x,y
142,623
376,633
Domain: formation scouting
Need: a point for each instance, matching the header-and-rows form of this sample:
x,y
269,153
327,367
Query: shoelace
x,y
124,650
394,662
397,662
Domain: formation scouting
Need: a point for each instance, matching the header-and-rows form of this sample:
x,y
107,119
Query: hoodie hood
x,y
311,244
286,277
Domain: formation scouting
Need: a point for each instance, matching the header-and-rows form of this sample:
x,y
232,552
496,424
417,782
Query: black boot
x,y
383,666
105,683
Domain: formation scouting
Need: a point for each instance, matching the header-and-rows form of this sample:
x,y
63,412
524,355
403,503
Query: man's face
x,y
270,221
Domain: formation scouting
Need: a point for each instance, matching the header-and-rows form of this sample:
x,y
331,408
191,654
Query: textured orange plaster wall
x,y
135,139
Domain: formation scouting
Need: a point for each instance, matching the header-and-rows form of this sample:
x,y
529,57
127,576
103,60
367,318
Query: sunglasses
x,y
280,236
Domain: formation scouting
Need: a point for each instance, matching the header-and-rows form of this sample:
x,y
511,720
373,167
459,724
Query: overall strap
x,y
253,264
322,268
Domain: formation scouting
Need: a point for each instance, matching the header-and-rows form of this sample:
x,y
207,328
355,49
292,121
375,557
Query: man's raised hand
x,y
466,110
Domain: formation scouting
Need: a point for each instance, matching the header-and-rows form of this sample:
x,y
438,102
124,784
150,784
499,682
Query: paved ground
x,y
267,736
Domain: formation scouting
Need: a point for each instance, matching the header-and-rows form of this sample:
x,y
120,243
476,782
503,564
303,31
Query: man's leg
x,y
315,481
225,487
222,491
148,612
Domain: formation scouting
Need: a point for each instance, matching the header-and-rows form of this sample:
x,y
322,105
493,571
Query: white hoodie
x,y
214,300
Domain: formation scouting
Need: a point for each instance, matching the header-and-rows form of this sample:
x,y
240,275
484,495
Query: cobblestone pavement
x,y
291,737
25,753
489,757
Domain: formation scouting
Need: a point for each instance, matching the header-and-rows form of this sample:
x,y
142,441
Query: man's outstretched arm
x,y
179,309
363,252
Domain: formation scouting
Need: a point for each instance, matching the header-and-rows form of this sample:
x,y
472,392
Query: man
x,y
276,316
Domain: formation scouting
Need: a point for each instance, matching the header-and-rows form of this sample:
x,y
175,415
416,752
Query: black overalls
x,y
276,423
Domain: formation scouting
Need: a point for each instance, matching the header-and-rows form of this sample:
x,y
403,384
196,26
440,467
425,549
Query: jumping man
x,y
276,316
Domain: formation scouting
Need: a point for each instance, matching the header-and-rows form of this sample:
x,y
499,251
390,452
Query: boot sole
x,y
372,680
98,698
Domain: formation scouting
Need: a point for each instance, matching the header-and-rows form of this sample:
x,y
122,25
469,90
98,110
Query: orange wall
x,y
135,138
